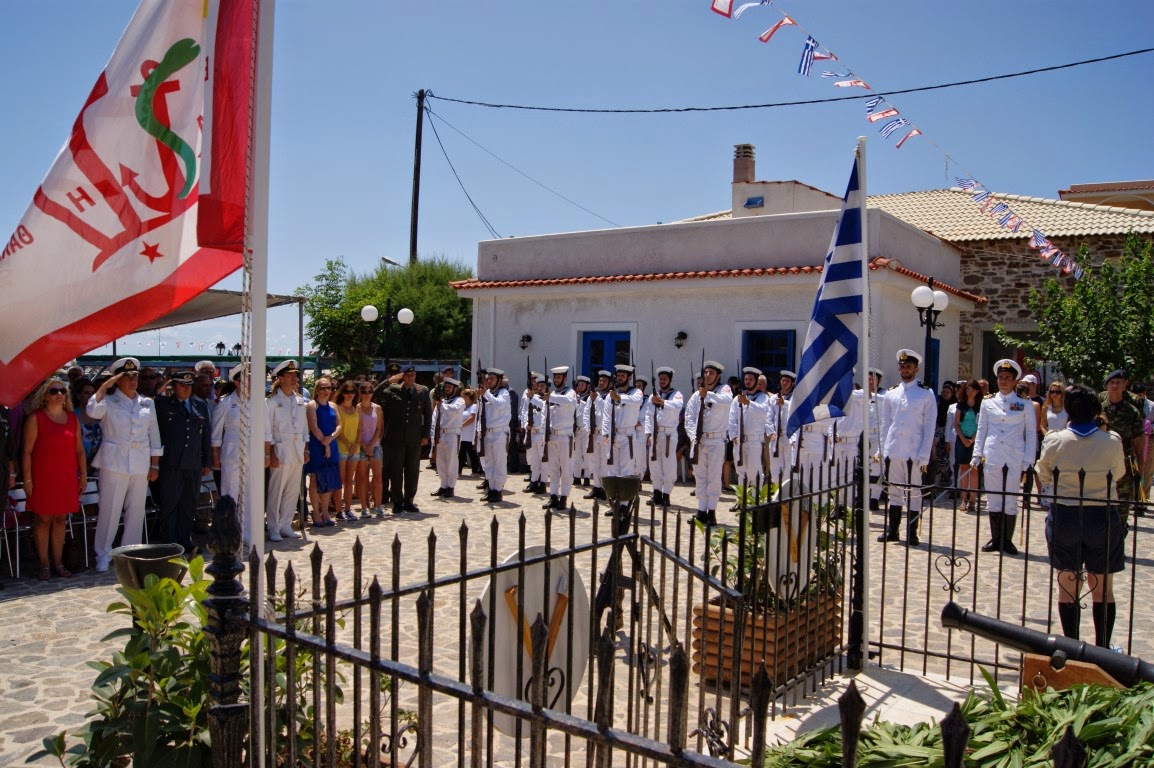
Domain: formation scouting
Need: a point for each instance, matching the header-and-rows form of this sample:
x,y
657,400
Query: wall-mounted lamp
x,y
679,339
525,339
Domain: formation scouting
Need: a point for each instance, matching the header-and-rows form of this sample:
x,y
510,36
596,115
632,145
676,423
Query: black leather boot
x,y
552,503
912,529
995,542
894,519
1009,525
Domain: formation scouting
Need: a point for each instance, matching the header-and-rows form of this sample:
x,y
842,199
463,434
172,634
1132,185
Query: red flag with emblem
x,y
140,212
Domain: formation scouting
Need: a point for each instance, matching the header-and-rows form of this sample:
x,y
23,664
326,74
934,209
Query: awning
x,y
210,305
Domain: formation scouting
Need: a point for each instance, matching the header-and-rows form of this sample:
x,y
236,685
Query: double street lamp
x,y
371,314
930,304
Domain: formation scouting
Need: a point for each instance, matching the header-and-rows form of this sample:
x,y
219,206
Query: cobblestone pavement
x,y
50,630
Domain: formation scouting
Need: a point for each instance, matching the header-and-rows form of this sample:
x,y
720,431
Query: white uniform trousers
x,y
623,464
447,458
559,468
663,469
749,473
284,488
533,455
119,492
595,460
1002,494
707,473
495,462
582,466
844,459
904,484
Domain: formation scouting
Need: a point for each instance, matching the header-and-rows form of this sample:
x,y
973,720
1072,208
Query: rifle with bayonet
x,y
612,418
653,376
592,414
545,448
480,412
527,436
700,408
740,425
778,437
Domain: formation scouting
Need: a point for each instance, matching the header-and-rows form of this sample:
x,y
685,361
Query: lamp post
x,y
404,316
930,304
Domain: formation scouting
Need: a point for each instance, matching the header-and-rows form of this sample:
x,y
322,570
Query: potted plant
x,y
785,563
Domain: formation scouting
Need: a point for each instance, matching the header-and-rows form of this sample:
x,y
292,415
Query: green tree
x,y
1103,322
442,325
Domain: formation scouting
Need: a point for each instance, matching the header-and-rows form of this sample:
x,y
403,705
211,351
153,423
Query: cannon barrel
x,y
1127,670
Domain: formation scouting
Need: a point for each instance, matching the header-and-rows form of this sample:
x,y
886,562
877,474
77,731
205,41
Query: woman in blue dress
x,y
323,467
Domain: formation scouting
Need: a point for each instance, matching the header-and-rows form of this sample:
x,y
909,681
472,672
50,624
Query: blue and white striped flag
x,y
806,64
825,378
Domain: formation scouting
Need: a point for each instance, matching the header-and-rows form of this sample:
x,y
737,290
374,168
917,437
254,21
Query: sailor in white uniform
x,y
907,415
1006,443
747,416
706,422
445,435
558,437
289,430
493,433
661,422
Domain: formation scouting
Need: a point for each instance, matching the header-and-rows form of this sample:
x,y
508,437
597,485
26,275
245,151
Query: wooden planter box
x,y
789,643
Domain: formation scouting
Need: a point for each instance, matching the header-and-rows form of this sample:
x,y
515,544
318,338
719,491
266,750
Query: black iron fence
x,y
648,640
623,634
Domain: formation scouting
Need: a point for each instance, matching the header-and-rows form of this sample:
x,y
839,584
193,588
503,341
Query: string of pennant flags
x,y
880,110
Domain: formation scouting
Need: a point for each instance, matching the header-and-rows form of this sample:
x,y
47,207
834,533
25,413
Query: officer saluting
x,y
1006,441
493,432
907,415
184,433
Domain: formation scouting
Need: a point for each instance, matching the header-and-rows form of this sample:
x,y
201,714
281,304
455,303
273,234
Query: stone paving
x,y
50,630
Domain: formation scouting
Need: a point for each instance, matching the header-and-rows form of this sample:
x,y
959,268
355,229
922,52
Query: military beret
x,y
1118,374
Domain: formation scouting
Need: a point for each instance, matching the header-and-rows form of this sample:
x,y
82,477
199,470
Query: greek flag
x,y
825,378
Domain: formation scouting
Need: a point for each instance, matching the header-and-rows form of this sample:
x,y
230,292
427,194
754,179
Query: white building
x,y
738,285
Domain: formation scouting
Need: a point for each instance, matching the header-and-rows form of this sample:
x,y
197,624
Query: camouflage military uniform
x,y
1125,418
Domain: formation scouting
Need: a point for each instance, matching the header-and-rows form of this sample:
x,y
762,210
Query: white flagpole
x,y
864,367
258,242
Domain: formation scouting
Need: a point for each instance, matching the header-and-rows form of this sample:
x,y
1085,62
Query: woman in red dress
x,y
55,472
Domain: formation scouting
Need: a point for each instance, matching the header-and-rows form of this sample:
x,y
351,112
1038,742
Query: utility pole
x,y
416,177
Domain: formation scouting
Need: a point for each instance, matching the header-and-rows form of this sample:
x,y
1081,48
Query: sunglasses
x,y
366,391
323,387
348,391
1055,391
57,391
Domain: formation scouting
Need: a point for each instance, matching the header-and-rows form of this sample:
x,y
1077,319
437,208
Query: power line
x,y
461,184
770,105
430,112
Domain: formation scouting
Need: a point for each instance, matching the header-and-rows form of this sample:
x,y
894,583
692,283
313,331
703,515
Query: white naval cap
x,y
584,379
236,371
451,380
665,369
623,368
286,366
494,372
788,375
561,369
909,356
878,374
1006,364
605,373
714,365
126,365
751,369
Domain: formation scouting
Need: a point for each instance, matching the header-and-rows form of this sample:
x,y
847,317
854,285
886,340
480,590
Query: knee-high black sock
x,y
1104,614
1070,615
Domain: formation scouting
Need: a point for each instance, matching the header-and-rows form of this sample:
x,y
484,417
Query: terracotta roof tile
x,y
473,284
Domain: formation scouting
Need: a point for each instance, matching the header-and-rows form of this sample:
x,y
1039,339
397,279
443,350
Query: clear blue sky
x,y
343,111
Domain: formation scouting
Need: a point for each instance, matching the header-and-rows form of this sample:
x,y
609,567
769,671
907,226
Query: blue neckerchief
x,y
1082,428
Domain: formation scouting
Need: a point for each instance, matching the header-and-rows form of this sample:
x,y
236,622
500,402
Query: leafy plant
x,y
1115,725
151,698
1103,321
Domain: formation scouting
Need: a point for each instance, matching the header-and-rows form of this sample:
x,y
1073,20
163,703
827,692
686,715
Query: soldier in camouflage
x,y
1124,417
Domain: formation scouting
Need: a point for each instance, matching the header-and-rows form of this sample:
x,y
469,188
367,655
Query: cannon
x,y
1127,670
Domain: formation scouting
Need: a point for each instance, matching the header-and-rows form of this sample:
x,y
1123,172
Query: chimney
x,y
743,162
